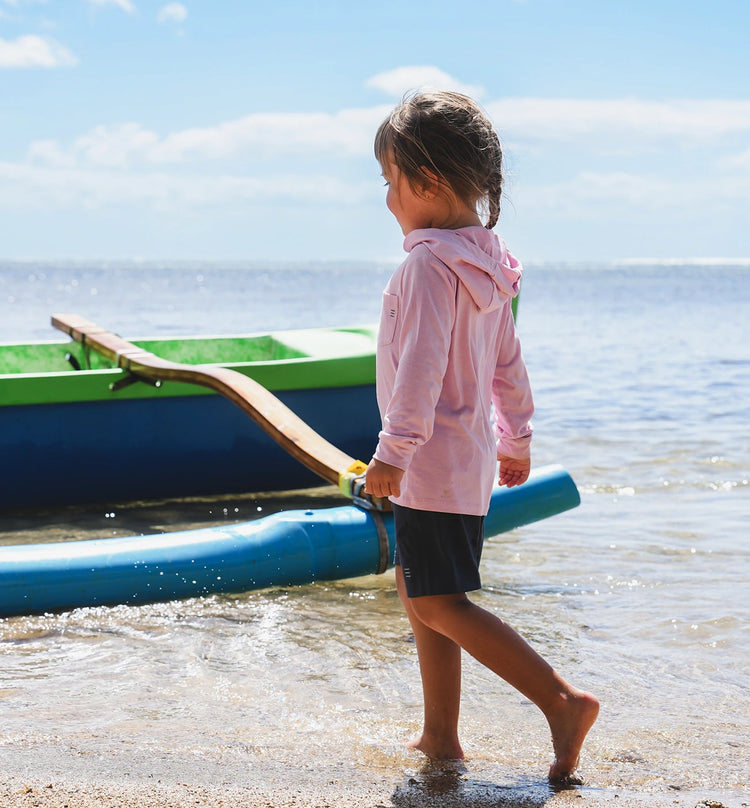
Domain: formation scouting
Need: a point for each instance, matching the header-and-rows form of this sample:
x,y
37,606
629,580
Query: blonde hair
x,y
445,135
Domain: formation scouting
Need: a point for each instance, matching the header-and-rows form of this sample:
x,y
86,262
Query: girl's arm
x,y
512,401
427,312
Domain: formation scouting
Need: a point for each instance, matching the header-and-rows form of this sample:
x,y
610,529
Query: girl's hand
x,y
383,480
513,471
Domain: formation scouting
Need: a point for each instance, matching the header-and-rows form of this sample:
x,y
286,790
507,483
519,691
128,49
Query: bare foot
x,y
569,728
437,748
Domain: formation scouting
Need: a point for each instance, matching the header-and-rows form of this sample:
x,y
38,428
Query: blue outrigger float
x,y
84,432
283,549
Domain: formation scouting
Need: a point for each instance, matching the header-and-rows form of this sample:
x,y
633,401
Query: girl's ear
x,y
429,184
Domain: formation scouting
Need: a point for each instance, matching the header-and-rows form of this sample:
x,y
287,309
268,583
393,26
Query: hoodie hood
x,y
478,257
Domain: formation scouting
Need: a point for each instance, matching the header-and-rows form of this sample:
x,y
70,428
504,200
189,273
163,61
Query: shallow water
x,y
642,380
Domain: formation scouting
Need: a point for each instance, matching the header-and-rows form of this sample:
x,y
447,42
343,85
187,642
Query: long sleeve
x,y
512,400
426,308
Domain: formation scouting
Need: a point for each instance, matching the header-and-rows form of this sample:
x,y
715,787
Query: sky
x,y
236,130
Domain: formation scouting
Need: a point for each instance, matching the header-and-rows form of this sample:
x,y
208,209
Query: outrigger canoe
x,y
77,429
283,549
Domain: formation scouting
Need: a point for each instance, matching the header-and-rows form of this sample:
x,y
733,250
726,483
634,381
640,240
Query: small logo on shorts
x,y
406,571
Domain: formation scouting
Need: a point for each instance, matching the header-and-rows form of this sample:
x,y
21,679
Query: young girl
x,y
447,348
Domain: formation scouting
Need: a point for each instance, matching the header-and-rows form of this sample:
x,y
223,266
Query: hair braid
x,y
494,182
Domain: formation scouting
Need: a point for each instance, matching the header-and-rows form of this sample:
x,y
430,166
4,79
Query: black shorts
x,y
438,553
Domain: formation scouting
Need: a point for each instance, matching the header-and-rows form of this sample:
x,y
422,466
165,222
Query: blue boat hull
x,y
288,548
154,448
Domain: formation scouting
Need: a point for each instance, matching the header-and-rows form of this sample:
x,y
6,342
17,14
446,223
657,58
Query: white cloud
x,y
628,120
588,197
420,77
50,153
130,163
125,5
172,12
35,51
348,132
629,125
114,146
739,161
45,188
601,195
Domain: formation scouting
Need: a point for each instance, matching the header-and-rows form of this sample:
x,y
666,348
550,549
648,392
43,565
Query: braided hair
x,y
445,135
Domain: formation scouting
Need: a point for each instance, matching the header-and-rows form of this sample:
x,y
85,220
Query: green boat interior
x,y
47,372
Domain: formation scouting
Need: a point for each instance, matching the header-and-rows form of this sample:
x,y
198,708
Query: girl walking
x,y
447,350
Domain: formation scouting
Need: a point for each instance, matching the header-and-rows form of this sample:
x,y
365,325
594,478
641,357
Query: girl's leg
x,y
440,667
570,712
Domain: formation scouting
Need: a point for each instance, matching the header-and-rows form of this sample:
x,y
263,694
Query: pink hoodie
x,y
447,347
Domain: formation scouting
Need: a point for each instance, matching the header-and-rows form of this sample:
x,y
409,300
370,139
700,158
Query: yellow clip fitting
x,y
357,469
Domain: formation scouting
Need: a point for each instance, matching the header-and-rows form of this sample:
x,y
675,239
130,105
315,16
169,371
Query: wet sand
x,y
16,793
80,782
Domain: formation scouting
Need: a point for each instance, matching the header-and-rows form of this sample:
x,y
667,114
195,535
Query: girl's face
x,y
413,211
429,206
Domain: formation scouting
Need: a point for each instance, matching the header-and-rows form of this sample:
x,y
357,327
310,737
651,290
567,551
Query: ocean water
x,y
641,375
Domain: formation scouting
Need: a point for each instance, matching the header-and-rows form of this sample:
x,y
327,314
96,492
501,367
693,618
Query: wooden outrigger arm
x,y
272,415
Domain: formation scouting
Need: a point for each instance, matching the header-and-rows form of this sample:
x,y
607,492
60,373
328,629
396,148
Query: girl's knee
x,y
436,611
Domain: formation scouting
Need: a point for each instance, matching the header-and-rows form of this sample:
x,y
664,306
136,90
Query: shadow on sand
x,y
449,785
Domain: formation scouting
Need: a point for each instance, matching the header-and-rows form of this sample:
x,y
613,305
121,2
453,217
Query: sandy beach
x,y
140,778
411,793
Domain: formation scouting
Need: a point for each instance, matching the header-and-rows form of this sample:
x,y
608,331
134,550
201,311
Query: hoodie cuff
x,y
398,455
518,448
